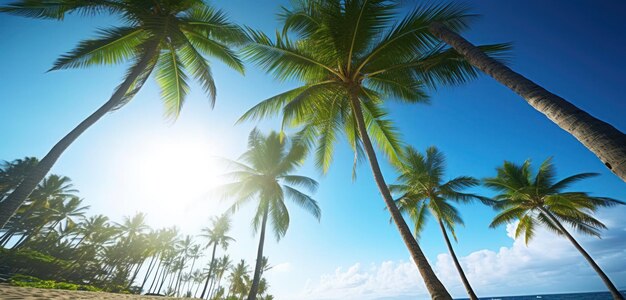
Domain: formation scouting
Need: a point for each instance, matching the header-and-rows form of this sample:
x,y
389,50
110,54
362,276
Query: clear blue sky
x,y
134,160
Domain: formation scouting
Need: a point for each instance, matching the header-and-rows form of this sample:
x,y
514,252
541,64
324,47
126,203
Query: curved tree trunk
x,y
609,284
468,287
148,272
435,287
259,259
9,206
156,275
206,283
601,138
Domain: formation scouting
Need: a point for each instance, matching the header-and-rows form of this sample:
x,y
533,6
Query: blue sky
x,y
135,160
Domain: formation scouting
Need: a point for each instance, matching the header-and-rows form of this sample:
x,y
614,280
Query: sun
x,y
172,178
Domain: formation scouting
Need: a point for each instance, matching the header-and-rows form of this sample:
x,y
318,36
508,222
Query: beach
x,y
10,292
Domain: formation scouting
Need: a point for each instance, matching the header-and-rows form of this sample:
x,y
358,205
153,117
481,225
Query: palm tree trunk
x,y
197,289
609,284
9,206
180,273
468,287
601,138
435,287
156,275
193,262
206,283
163,278
259,259
148,272
132,280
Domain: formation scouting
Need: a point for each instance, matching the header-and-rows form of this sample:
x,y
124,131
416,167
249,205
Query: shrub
x,y
30,281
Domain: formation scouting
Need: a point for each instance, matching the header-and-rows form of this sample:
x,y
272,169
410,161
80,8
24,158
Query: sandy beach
x,y
22,293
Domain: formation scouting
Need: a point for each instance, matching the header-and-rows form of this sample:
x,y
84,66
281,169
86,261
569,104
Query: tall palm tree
x,y
169,36
351,56
12,173
50,192
540,200
238,278
216,235
223,265
184,247
605,141
423,192
90,226
263,174
67,210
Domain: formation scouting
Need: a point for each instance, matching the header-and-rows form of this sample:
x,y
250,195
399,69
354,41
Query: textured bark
x,y
468,287
601,138
435,287
609,284
9,206
206,284
259,260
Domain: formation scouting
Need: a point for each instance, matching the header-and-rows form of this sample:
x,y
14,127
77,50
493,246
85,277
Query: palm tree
x,y
169,36
351,56
605,141
238,278
216,236
264,174
539,200
89,226
422,192
223,265
194,253
12,173
67,210
183,247
50,192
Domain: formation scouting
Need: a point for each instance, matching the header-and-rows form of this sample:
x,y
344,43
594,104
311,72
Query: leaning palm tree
x,y
216,235
351,56
169,36
605,141
264,175
539,200
423,191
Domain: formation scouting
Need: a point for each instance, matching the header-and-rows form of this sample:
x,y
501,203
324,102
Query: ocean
x,y
573,296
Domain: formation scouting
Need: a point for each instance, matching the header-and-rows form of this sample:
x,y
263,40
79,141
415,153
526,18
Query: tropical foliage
x,y
538,199
423,191
169,37
349,58
264,175
52,243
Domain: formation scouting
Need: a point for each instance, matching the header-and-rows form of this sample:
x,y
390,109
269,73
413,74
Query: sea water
x,y
573,296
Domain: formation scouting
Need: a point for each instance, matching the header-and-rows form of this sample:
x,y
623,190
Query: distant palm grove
x,y
348,59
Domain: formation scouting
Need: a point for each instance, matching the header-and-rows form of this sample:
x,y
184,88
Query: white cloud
x,y
549,264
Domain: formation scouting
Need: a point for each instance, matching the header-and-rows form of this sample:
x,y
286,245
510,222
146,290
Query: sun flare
x,y
172,178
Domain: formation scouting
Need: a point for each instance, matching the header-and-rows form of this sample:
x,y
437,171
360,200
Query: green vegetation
x,y
539,200
30,281
423,191
51,243
264,174
170,37
349,59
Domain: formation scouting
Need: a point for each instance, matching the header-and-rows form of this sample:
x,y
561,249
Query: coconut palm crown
x,y
349,57
264,174
423,191
170,37
540,200
337,49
